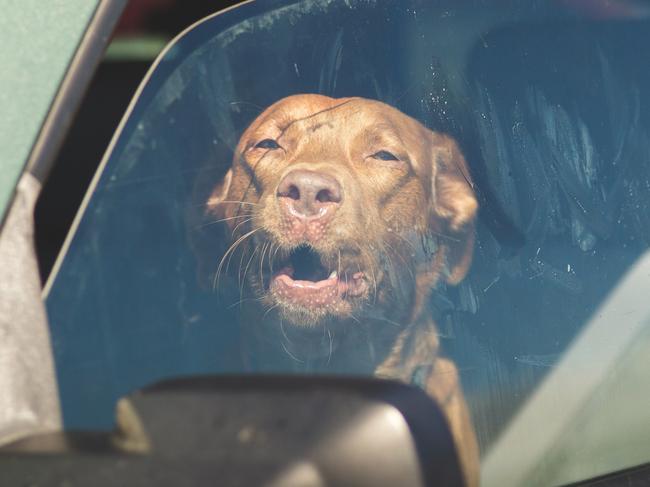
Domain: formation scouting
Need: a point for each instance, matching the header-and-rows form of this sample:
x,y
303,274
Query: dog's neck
x,y
349,346
356,346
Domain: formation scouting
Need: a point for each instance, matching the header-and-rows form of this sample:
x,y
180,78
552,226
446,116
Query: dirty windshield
x,y
454,195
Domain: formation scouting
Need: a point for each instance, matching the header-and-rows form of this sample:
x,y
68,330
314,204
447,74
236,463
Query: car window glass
x,y
546,102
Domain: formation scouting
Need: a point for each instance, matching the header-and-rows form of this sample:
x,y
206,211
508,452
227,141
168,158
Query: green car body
x,y
38,45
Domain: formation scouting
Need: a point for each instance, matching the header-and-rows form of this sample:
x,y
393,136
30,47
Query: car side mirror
x,y
252,430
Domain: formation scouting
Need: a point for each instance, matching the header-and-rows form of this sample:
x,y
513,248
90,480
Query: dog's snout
x,y
309,192
308,201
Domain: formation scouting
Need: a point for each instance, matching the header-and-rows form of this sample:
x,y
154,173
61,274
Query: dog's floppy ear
x,y
207,238
216,206
453,206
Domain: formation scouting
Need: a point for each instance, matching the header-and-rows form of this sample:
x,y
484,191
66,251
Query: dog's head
x,y
337,205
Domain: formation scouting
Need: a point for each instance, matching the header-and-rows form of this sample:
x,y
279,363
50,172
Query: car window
x,y
518,133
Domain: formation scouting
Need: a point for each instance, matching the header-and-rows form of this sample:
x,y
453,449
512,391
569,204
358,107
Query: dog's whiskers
x,y
264,249
284,334
398,235
234,230
270,258
241,261
355,318
290,354
276,252
214,222
240,301
269,310
329,356
236,202
228,253
371,268
338,270
242,279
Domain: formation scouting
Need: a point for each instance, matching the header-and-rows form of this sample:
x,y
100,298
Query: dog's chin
x,y
304,302
302,317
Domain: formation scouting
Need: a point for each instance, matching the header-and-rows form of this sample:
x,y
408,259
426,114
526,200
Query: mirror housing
x,y
252,430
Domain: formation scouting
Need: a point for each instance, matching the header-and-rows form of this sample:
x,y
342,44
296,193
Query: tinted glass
x,y
546,100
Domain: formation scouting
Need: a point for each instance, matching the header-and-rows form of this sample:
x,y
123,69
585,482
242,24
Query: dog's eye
x,y
384,155
267,144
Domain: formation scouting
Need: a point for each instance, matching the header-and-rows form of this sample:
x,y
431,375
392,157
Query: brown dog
x,y
346,213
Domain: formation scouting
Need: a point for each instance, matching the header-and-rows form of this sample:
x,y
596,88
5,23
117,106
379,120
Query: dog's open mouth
x,y
304,281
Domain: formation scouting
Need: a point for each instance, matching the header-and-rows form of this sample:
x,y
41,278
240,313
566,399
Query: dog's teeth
x,y
333,275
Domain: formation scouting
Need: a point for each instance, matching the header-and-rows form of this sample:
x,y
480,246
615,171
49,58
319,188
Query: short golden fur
x,y
405,223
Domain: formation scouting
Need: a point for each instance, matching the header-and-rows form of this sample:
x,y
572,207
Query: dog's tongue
x,y
314,294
